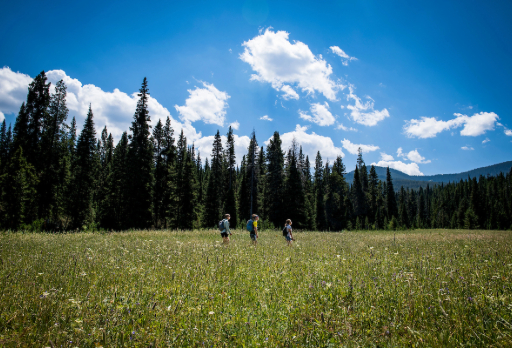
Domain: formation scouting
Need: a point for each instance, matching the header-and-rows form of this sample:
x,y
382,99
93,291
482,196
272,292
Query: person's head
x,y
255,217
288,222
227,216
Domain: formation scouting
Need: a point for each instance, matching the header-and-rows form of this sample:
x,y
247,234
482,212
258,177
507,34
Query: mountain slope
x,y
415,182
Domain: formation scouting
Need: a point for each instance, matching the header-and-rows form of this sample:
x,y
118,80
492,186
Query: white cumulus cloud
x,y
235,125
321,114
281,63
207,104
385,157
205,144
345,57
354,148
413,156
467,147
508,132
2,116
429,127
341,126
407,168
13,90
311,143
364,113
266,118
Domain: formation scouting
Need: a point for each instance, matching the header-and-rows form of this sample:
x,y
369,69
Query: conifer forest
x,y
54,179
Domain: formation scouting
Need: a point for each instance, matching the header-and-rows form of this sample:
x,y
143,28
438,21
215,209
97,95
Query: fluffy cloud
x,y
207,104
112,109
321,115
429,127
289,93
508,132
385,157
407,168
205,144
363,113
345,57
341,126
413,156
467,147
13,90
2,116
354,148
235,125
266,118
281,63
311,144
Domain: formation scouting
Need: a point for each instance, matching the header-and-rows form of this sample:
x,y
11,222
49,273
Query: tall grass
x,y
433,288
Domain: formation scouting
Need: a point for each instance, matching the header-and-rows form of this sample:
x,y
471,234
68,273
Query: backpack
x,y
250,226
221,225
285,231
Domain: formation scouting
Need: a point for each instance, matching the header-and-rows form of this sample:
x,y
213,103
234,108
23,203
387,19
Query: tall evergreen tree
x,y
38,100
230,206
55,173
319,188
274,198
295,197
118,181
213,204
140,154
21,130
391,207
85,171
17,191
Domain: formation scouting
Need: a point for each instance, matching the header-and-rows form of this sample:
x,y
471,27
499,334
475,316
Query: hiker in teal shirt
x,y
225,233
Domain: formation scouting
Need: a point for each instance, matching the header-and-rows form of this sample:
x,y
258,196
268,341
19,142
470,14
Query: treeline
x,y
51,179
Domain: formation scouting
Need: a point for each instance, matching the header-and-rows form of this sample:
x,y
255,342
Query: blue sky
x,y
422,87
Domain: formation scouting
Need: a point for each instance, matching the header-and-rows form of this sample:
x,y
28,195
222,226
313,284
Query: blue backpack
x,y
250,226
221,225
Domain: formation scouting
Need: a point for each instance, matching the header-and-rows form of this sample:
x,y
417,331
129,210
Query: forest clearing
x,y
433,288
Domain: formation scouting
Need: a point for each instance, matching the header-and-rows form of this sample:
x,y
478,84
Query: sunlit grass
x,y
427,288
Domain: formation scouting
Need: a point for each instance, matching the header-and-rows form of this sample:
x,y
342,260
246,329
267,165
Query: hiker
x,y
224,228
287,232
252,226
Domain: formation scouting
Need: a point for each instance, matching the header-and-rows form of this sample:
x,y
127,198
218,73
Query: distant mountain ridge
x,y
415,182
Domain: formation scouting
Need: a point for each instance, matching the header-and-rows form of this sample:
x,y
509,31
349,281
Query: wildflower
x,y
211,312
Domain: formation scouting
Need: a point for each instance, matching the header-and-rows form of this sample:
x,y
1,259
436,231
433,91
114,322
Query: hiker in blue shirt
x,y
287,232
252,227
224,229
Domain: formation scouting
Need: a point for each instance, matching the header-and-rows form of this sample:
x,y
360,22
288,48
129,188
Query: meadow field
x,y
427,288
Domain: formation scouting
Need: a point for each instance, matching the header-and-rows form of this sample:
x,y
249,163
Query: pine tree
x,y
230,200
391,207
372,192
104,191
338,207
403,218
319,188
17,191
21,130
213,204
310,197
119,183
38,100
274,198
55,174
140,158
358,196
85,171
160,189
295,197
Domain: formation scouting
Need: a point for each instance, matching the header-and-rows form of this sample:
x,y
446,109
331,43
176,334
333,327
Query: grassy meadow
x,y
427,288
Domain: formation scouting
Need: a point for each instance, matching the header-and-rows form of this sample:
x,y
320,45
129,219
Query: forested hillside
x,y
415,182
52,178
